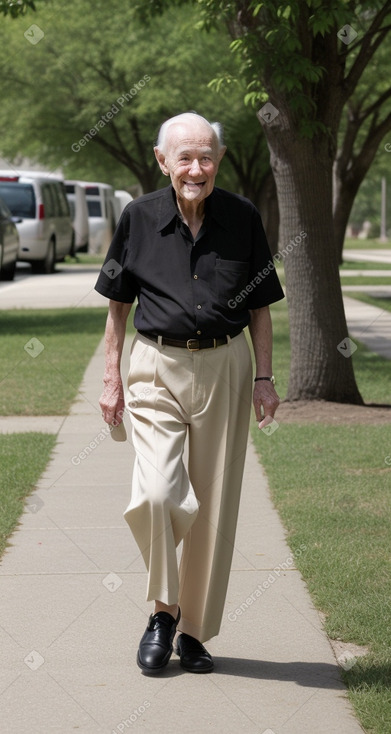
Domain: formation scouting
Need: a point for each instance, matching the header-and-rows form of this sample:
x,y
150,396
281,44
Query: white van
x,y
45,230
122,198
102,214
77,200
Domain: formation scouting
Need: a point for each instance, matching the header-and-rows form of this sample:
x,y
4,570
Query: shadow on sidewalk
x,y
306,674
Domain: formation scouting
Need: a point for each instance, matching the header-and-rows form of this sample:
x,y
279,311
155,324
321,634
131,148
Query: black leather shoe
x,y
156,643
193,655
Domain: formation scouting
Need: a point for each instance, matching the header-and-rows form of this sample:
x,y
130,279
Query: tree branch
x,y
367,49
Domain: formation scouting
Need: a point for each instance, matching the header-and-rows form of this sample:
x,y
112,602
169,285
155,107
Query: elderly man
x,y
197,260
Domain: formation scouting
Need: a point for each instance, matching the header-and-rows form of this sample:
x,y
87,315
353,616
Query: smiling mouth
x,y
193,184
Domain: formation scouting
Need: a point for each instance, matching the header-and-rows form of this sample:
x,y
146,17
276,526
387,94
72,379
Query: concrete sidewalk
x,y
370,325
381,255
73,611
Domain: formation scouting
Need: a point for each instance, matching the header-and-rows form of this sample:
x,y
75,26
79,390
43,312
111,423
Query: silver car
x,y
9,243
45,229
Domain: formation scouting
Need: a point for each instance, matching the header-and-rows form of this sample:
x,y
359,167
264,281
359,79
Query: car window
x,y
20,199
4,211
72,208
49,202
56,199
94,208
63,201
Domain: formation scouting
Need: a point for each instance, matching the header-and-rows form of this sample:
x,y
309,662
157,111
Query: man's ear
x,y
161,159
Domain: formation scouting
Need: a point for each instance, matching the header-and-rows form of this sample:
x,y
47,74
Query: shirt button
x,y
199,306
199,332
195,277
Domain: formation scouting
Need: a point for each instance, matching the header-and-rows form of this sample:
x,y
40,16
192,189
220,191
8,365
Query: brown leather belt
x,y
193,345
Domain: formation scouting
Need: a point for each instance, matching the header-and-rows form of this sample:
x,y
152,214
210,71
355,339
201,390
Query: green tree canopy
x,y
303,62
90,89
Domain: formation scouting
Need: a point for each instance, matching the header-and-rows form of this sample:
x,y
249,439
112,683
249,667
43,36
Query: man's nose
x,y
195,168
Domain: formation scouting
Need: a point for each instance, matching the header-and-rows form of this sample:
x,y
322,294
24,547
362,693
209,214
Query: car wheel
x,y
8,271
72,251
47,265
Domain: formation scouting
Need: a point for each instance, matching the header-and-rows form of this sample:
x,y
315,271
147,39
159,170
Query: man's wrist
x,y
270,378
112,380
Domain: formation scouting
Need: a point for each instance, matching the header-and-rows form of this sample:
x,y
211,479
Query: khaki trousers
x,y
204,397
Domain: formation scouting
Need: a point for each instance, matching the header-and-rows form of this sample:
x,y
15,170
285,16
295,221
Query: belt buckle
x,y
190,343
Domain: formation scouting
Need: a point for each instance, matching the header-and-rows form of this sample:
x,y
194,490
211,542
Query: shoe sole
x,y
151,671
198,670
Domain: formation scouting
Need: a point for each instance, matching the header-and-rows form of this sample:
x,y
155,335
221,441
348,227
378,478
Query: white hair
x,y
216,128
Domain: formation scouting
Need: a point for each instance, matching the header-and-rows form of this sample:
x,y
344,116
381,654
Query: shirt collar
x,y
214,208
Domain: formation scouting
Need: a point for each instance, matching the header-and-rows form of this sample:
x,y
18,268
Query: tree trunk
x,y
268,207
321,365
344,195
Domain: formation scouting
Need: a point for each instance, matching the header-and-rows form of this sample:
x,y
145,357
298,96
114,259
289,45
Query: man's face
x,y
191,160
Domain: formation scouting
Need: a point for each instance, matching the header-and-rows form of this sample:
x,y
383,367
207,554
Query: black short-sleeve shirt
x,y
190,288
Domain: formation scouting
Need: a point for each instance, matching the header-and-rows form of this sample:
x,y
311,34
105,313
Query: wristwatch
x,y
270,379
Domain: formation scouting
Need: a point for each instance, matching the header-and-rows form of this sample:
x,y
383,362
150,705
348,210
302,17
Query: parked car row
x,y
44,218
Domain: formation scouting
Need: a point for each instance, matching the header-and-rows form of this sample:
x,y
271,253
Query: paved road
x,y
69,287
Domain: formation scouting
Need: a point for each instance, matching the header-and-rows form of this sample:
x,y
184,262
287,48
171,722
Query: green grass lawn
x,y
23,458
84,258
43,357
358,265
372,372
366,280
371,244
331,486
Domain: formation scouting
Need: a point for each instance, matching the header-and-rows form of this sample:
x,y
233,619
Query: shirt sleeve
x,y
115,280
264,286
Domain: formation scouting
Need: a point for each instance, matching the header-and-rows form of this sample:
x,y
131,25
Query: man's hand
x,y
266,402
112,401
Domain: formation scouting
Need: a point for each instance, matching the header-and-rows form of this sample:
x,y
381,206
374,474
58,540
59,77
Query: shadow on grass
x,y
368,675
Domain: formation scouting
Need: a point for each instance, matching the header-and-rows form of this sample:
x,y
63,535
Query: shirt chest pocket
x,y
231,279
